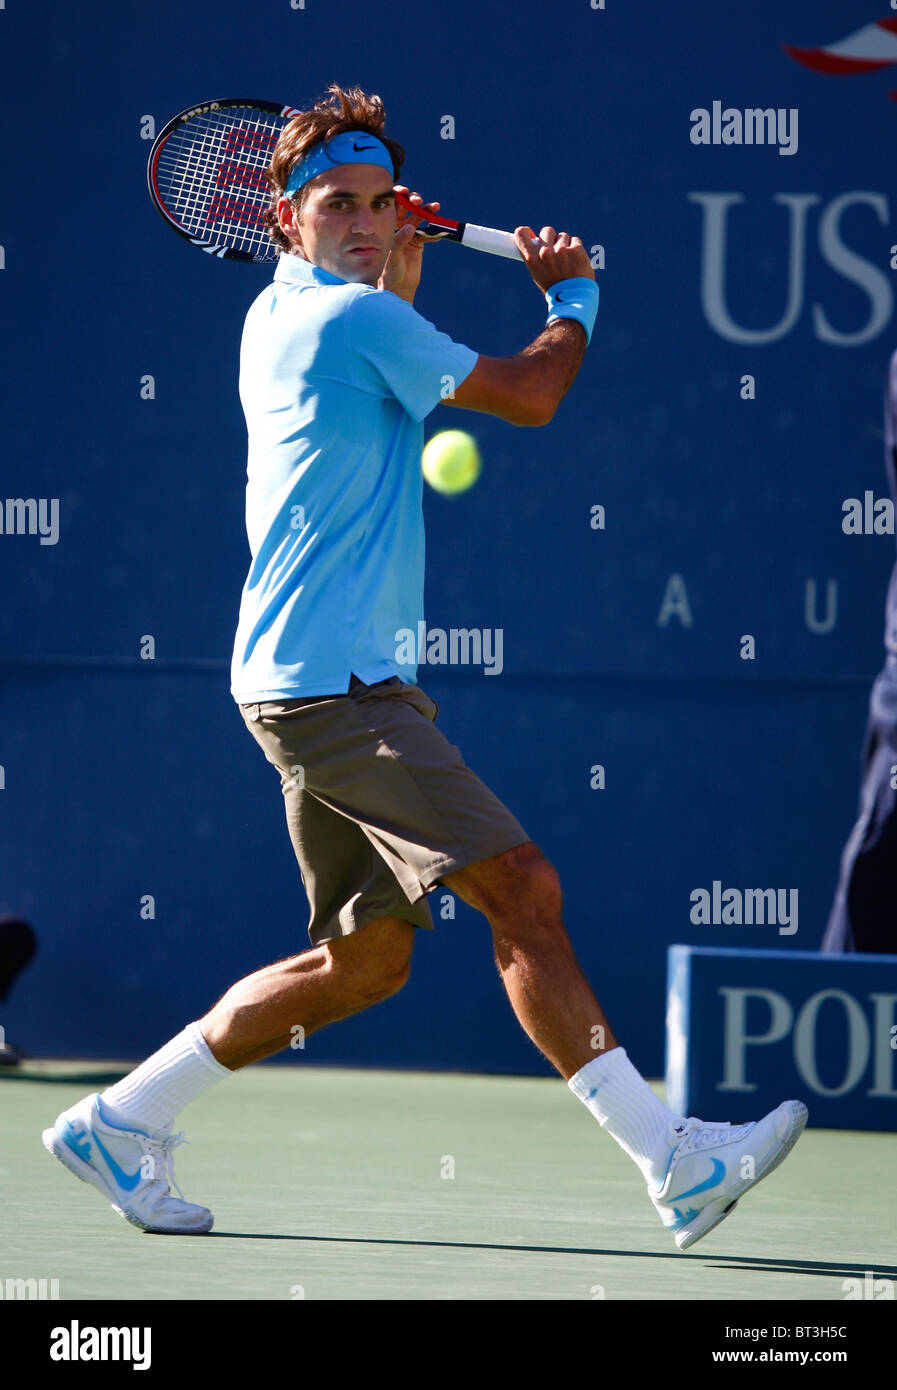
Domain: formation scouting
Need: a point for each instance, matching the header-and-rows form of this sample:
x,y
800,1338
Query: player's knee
x,y
518,880
375,966
396,977
541,891
529,911
530,885
383,979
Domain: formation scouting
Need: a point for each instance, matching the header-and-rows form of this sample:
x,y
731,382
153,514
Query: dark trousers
x,y
864,913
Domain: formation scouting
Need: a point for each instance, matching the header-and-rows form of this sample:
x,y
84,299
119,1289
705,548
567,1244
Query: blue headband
x,y
352,147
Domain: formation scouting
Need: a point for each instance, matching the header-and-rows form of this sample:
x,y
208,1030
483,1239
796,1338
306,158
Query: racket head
x,y
206,175
206,178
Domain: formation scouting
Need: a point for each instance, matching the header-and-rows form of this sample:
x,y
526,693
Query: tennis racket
x,y
206,176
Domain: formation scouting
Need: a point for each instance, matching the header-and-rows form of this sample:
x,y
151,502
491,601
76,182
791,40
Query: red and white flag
x,y
864,50
867,49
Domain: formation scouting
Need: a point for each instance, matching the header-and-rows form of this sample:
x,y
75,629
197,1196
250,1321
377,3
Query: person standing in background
x,y
864,913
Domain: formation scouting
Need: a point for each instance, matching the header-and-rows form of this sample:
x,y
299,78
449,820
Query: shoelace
x,y
698,1135
160,1151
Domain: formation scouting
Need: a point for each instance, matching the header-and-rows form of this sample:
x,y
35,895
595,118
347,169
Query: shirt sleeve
x,y
394,351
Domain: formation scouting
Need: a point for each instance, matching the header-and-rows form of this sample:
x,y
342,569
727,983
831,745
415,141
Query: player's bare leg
x,y
258,1016
519,892
121,1142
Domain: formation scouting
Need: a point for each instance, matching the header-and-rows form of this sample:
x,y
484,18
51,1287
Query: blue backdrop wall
x,y
723,501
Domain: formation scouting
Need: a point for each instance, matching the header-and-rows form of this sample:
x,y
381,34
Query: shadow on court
x,y
746,1262
94,1079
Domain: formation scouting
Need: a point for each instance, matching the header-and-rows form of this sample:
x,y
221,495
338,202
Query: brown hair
x,y
341,110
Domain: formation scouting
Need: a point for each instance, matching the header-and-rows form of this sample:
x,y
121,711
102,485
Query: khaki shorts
x,y
379,804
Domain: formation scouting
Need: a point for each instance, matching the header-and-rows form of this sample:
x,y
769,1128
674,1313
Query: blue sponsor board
x,y
748,1029
738,206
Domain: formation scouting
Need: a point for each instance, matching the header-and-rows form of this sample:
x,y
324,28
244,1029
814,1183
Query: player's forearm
x,y
527,388
552,361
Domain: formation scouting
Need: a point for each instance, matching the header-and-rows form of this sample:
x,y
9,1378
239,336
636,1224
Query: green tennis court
x,y
332,1184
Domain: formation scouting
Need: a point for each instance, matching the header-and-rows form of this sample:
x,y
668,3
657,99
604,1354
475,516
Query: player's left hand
x,y
401,273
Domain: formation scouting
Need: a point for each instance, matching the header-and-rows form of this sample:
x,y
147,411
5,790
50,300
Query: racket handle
x,y
488,239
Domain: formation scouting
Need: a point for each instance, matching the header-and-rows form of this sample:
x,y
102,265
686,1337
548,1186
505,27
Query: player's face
x,y
347,222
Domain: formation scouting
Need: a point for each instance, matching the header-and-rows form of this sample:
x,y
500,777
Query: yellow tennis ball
x,y
451,461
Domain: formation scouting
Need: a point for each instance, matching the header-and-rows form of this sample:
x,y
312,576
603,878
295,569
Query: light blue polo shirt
x,y
335,381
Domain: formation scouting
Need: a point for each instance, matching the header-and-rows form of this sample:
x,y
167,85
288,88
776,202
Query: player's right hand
x,y
552,256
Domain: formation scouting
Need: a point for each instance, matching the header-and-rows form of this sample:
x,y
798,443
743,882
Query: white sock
x,y
150,1097
624,1104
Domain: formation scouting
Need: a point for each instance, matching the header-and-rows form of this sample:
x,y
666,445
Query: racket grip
x,y
488,239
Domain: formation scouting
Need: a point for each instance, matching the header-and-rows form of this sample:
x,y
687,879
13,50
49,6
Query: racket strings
x,y
210,174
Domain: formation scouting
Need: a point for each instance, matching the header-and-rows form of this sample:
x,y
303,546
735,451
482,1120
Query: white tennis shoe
x,y
711,1166
132,1168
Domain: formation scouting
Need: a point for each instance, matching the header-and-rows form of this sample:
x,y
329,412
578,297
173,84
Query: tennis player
x,y
338,372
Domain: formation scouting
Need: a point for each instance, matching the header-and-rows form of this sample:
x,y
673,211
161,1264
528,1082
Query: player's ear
x,y
286,215
288,222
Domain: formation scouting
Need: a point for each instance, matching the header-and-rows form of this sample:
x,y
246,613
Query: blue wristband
x,y
574,299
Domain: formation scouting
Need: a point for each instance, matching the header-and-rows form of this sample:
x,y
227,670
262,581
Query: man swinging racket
x,y
337,373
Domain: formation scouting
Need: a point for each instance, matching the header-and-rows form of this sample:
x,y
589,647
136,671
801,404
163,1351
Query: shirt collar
x,y
291,267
